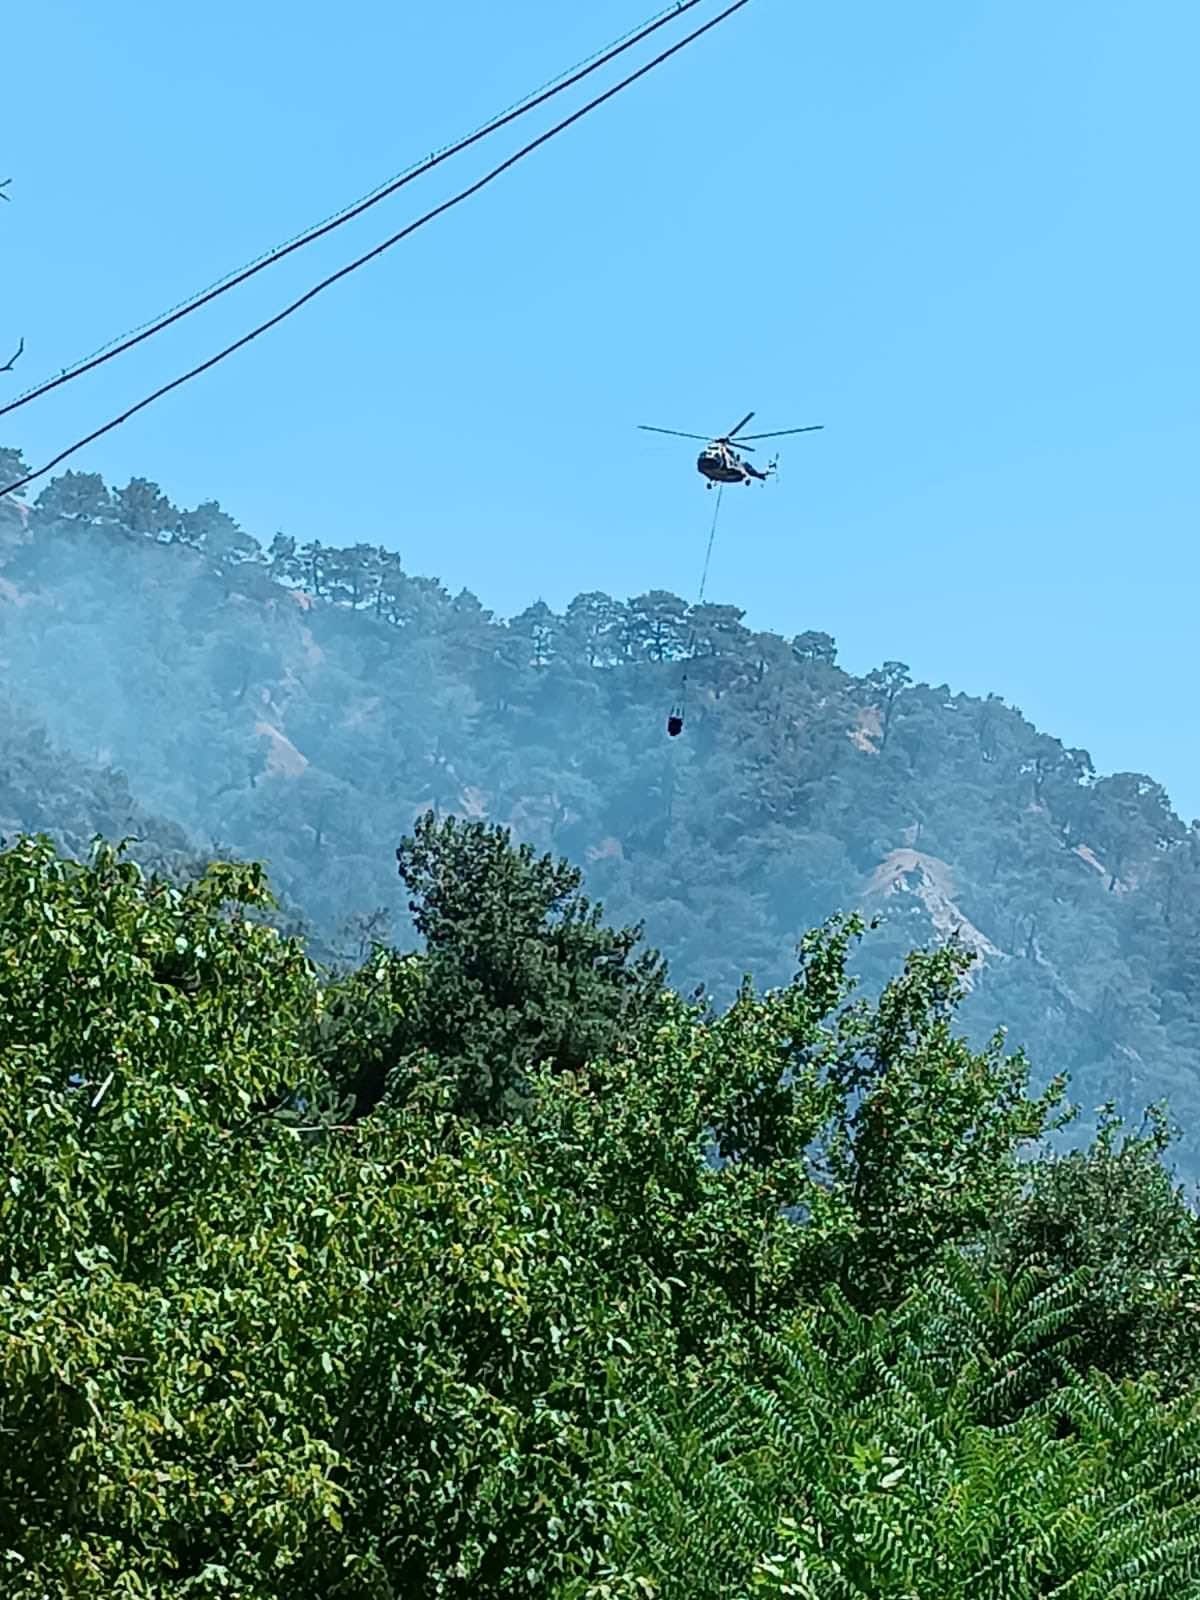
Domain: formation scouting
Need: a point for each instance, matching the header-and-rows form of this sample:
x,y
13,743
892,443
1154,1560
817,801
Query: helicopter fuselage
x,y
722,465
719,461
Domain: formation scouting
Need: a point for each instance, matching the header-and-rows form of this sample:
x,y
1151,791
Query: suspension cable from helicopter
x,y
680,712
520,108
360,261
712,534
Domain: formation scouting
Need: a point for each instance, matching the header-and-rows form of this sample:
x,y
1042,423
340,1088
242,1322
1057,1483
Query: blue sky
x,y
963,237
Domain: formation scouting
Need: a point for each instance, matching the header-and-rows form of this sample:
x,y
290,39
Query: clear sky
x,y
964,237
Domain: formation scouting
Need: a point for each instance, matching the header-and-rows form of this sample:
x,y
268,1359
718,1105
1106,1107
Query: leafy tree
x,y
718,629
143,508
12,465
252,1347
928,1137
283,558
133,1106
13,512
535,627
247,1349
656,626
884,686
895,1456
594,624
1112,1211
1043,1500
522,969
354,577
214,531
1133,821
813,646
313,559
75,497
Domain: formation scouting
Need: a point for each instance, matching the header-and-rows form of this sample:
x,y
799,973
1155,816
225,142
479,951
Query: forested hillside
x,y
303,705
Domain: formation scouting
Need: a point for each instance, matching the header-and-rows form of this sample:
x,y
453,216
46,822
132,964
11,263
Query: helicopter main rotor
x,y
730,439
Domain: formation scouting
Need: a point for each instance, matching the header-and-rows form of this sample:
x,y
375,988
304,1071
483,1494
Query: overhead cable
x,y
353,266
147,330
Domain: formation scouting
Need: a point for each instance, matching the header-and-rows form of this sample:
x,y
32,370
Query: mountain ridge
x,y
302,705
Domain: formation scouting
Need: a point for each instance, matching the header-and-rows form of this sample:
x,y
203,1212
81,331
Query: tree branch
x,y
15,357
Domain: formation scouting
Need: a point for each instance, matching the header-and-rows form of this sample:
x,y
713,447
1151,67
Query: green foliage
x,y
922,1452
1112,1210
711,1140
250,1347
925,1152
134,1289
80,497
13,465
521,969
142,508
366,1039
1093,1492
215,531
245,1351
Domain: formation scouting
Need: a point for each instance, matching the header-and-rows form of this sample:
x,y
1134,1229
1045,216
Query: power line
x,y
387,244
147,330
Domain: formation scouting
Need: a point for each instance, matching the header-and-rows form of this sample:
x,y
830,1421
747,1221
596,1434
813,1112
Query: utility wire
x,y
387,244
566,80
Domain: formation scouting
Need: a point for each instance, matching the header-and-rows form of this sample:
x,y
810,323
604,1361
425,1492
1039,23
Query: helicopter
x,y
720,462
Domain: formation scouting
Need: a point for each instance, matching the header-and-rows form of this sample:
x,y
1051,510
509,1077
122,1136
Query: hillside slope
x,y
45,790
302,706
